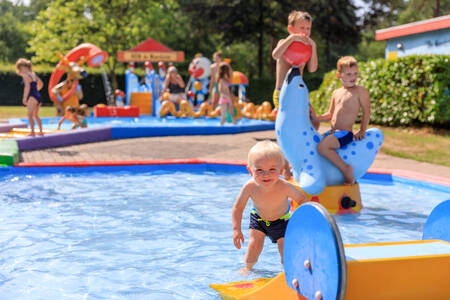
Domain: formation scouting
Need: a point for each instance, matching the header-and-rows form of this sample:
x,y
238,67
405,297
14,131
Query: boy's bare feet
x,y
41,133
31,134
244,271
348,175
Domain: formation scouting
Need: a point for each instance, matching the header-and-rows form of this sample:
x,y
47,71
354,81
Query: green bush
x,y
412,90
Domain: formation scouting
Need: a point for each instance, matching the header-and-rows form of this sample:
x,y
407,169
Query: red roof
x,y
150,45
413,28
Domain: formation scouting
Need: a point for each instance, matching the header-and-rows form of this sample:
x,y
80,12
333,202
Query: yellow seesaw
x,y
318,266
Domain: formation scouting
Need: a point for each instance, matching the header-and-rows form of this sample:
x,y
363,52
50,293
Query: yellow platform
x,y
414,270
335,198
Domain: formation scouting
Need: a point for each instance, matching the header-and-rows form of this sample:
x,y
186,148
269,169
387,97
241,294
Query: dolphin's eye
x,y
301,85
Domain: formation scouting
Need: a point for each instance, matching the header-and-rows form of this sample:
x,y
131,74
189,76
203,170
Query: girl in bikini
x,y
226,98
31,97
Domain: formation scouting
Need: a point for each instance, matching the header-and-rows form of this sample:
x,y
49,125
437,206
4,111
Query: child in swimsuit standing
x,y
31,97
226,98
269,195
213,85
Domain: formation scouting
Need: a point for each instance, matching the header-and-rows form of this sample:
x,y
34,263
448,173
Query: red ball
x,y
119,93
297,53
190,94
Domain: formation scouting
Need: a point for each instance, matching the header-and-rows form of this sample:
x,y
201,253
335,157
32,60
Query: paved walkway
x,y
228,147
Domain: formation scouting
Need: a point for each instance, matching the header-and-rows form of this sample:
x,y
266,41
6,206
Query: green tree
x,y
418,10
263,22
13,32
112,25
235,21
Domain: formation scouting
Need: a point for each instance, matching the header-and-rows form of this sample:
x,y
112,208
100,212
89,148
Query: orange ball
x,y
267,107
198,85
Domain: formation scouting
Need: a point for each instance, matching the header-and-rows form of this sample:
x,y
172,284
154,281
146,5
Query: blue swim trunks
x,y
273,229
344,137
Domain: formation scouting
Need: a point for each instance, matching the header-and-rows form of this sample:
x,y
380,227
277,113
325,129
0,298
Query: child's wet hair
x,y
265,150
224,71
23,62
346,62
297,15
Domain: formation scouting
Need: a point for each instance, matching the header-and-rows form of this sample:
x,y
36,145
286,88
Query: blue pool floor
x,y
157,234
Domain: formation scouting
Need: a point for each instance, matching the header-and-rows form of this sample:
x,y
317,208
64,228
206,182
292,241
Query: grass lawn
x,y
424,144
7,112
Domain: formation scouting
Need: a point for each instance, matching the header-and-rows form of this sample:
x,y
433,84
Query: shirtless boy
x,y
346,102
271,207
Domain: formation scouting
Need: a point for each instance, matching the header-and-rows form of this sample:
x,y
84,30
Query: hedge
x,y
412,90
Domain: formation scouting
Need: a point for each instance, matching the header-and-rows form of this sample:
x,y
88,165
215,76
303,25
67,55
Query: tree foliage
x,y
111,25
263,22
417,10
245,30
13,32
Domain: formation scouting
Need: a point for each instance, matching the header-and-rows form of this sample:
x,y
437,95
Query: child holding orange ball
x,y
299,28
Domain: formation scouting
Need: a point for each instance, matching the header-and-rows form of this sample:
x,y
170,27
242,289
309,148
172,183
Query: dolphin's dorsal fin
x,y
294,71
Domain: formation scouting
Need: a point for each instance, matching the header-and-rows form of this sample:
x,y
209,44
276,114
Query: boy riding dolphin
x,y
298,139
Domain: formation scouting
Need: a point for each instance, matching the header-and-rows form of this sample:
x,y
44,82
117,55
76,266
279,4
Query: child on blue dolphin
x,y
271,208
299,28
346,102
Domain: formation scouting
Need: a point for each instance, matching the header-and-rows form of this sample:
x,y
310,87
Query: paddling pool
x,y
124,127
160,231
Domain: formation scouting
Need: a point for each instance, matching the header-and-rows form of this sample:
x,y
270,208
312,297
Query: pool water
x,y
158,234
52,123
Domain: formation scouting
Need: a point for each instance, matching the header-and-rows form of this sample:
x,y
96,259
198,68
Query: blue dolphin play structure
x,y
298,139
